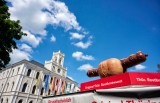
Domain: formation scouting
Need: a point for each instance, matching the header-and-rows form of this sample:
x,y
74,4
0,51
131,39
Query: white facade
x,y
18,81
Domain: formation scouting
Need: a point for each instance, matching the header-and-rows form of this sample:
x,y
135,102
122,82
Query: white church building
x,y
25,81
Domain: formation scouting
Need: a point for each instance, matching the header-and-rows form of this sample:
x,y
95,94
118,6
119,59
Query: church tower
x,y
56,64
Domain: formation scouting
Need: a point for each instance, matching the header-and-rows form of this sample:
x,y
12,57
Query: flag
x,y
57,82
46,83
56,85
53,83
72,88
39,80
59,86
68,86
63,86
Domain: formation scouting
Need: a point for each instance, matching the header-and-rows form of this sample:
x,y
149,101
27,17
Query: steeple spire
x,y
56,64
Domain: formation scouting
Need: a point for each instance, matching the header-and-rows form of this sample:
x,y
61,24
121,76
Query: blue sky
x,y
88,32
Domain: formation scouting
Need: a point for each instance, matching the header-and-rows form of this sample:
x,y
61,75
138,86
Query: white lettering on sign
x,y
153,80
103,84
148,80
93,86
109,83
141,79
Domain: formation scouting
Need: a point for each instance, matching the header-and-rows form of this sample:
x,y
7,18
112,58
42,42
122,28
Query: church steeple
x,y
58,57
56,64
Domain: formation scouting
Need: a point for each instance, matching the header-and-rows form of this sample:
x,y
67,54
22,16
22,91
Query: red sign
x,y
125,79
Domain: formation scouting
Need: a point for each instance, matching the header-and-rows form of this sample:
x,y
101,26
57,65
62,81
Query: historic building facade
x,y
27,81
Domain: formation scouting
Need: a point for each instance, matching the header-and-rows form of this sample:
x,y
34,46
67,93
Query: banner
x,y
121,95
59,86
125,79
72,88
63,86
53,84
68,87
56,85
77,98
46,83
39,81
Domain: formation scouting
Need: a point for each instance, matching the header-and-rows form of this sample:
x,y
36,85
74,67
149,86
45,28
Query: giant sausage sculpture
x,y
115,66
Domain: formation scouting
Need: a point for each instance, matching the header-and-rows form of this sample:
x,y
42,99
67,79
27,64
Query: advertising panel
x,y
126,95
125,79
123,88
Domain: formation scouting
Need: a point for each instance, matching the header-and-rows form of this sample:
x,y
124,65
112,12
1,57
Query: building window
x,y
7,100
20,101
7,87
1,87
63,73
3,74
12,72
53,68
24,87
34,88
37,75
2,100
59,70
44,78
28,72
18,70
7,73
12,85
51,79
60,61
55,59
31,101
42,91
49,91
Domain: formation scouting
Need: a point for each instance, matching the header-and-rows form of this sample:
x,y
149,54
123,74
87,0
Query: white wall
x,y
18,75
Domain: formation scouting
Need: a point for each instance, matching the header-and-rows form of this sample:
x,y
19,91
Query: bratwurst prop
x,y
115,66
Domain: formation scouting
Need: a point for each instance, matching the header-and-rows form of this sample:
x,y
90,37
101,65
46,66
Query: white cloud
x,y
76,36
31,39
83,45
25,47
79,56
85,32
85,67
53,38
19,55
140,67
36,14
22,53
30,13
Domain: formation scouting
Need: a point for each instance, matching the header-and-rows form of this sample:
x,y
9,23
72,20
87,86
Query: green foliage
x,y
10,31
